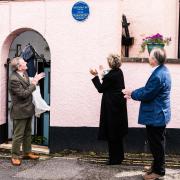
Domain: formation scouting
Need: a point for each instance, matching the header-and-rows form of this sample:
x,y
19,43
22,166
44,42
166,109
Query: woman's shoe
x,y
152,176
148,169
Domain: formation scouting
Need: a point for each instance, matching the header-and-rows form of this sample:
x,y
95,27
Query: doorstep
x,y
35,148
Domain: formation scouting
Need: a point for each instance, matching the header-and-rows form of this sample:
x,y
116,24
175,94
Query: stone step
x,y
35,148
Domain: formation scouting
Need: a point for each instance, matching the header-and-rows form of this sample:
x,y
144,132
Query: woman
x,y
113,117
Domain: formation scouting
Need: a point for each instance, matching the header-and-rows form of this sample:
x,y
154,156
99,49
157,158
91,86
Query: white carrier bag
x,y
40,104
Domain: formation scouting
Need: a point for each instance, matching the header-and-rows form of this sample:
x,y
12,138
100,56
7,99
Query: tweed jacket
x,y
20,91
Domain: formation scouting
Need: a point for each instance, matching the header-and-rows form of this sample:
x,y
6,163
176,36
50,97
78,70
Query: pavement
x,y
73,165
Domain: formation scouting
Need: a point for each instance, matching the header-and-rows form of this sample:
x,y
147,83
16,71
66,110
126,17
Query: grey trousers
x,y
21,135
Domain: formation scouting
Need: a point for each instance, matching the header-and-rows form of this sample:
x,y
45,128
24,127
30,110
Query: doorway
x,y
40,125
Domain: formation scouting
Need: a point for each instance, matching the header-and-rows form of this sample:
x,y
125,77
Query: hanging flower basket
x,y
156,40
150,46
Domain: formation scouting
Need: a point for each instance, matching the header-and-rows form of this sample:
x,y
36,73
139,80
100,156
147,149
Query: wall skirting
x,y
3,133
85,139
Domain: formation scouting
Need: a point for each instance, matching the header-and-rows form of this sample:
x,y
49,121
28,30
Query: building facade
x,y
70,47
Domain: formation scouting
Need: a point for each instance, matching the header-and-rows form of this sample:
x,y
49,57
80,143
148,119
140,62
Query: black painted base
x,y
3,133
85,139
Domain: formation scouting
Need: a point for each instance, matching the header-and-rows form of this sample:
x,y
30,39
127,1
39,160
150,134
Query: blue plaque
x,y
80,11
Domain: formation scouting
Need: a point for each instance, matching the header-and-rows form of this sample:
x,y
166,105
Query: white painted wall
x,y
76,46
148,17
80,45
4,27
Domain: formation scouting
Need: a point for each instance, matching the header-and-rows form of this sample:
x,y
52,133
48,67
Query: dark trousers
x,y
21,135
116,151
156,139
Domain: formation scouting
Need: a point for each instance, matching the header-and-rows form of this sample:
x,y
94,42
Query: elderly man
x,y
155,110
22,109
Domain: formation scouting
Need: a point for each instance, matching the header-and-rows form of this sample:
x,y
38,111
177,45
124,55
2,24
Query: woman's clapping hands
x,y
93,71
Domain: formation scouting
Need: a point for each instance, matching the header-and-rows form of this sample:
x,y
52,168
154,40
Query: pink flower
x,y
154,39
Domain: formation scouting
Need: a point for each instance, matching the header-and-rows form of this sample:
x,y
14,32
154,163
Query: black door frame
x,y
40,121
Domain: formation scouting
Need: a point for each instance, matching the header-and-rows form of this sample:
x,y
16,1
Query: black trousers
x,y
116,151
156,139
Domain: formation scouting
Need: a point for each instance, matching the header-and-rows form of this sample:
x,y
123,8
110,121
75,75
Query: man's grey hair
x,y
159,54
15,63
114,61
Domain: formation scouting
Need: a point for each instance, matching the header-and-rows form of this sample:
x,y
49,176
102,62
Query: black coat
x,y
113,117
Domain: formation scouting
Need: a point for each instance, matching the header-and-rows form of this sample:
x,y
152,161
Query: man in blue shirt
x,y
155,111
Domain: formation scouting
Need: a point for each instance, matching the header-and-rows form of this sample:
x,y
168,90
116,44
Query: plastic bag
x,y
39,103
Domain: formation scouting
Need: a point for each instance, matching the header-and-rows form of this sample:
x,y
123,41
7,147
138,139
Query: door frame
x,y
5,74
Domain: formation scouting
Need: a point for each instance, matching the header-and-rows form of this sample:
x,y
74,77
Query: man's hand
x,y
93,72
37,77
127,93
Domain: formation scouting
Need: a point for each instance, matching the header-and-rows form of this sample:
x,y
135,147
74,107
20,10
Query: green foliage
x,y
38,139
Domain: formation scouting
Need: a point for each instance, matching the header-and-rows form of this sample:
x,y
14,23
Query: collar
x,y
20,73
153,69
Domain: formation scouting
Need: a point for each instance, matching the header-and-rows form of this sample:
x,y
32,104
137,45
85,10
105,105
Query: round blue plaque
x,y
80,11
